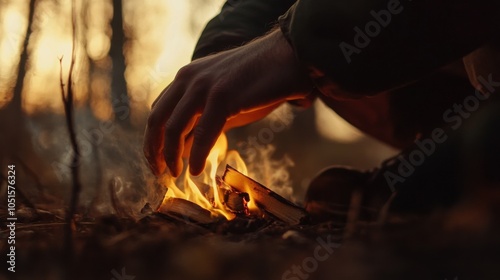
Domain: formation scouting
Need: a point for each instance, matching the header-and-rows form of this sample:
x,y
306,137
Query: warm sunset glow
x,y
161,35
333,127
15,24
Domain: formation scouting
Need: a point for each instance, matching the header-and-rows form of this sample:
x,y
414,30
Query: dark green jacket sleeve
x,y
367,46
240,21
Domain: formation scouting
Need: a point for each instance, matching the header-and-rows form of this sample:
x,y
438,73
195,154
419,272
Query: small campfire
x,y
223,192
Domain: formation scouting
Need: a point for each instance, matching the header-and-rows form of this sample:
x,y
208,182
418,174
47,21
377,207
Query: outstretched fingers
x,y
155,129
177,128
206,133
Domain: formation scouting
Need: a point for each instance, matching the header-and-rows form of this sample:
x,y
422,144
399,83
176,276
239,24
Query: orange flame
x,y
188,186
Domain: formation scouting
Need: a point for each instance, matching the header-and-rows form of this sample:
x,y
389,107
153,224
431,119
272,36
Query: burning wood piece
x,y
264,198
188,211
234,200
237,202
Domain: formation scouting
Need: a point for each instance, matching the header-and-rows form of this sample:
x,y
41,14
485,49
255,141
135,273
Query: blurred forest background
x,y
126,53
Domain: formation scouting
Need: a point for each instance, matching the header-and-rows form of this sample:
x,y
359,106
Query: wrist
x,y
283,51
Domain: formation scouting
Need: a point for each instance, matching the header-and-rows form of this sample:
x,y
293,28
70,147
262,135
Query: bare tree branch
x,y
68,98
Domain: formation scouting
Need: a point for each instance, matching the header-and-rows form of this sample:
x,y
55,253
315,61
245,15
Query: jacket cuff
x,y
322,83
284,23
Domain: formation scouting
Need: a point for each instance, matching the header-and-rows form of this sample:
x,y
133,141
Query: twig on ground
x,y
39,225
114,200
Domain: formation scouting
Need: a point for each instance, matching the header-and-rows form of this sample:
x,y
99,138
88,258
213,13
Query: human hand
x,y
217,92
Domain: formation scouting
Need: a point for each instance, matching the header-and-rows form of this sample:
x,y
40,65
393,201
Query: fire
x,y
190,187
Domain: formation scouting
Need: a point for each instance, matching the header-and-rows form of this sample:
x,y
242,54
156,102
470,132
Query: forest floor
x,y
157,247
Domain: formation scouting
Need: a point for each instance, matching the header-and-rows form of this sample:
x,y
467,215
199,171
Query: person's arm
x,y
210,92
213,92
239,22
362,47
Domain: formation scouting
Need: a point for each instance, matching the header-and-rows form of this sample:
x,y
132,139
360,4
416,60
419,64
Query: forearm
x,y
418,38
209,94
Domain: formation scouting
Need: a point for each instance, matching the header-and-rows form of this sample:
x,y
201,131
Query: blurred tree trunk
x,y
16,144
16,102
92,68
119,94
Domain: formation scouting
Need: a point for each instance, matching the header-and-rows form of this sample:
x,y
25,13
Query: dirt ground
x,y
158,247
